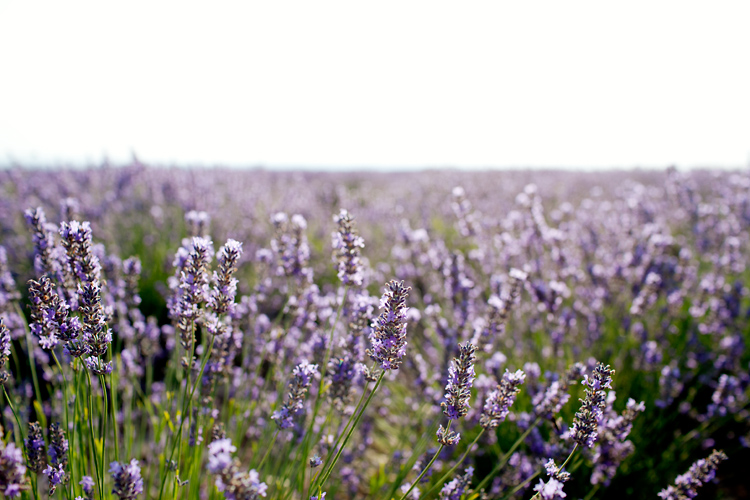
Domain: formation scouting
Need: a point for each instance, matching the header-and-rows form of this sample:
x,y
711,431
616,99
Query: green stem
x,y
507,455
32,364
67,417
346,427
561,467
432,461
105,410
182,420
453,469
268,449
113,395
99,471
524,483
591,493
351,429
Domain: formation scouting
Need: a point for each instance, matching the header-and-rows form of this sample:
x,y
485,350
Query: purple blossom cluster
x,y
584,428
13,479
701,472
236,484
388,334
497,405
303,375
460,380
346,249
128,483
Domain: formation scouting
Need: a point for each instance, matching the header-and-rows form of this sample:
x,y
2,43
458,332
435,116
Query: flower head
x,y
302,378
460,379
497,405
583,430
346,245
702,471
128,483
388,335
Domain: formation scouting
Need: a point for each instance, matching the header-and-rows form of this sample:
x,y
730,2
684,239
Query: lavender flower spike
x,y
584,428
388,336
35,448
460,379
701,472
12,469
58,454
496,407
235,484
127,479
346,245
303,375
222,296
4,351
455,489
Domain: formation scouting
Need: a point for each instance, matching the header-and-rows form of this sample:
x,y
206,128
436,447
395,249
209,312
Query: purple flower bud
x,y
460,379
388,336
346,245
497,405
303,376
128,483
584,427
702,471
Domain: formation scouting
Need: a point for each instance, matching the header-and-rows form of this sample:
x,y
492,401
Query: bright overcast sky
x,y
379,84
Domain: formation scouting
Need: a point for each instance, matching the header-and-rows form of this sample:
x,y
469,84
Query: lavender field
x,y
210,333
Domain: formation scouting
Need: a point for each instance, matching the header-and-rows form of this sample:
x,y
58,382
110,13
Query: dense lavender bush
x,y
543,335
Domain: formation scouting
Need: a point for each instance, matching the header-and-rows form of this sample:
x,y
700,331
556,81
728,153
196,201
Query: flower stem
x,y
507,455
453,469
351,429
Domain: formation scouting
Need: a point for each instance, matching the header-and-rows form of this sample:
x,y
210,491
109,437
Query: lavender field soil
x,y
209,334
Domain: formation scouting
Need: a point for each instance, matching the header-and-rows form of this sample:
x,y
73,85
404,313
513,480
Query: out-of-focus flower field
x,y
243,334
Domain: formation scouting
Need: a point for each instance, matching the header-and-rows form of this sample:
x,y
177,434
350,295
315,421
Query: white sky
x,y
379,84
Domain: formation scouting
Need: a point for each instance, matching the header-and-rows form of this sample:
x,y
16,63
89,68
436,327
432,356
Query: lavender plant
x,y
153,374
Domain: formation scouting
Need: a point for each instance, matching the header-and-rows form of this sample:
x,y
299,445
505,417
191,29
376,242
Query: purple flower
x,y
220,455
460,379
192,288
702,471
447,437
35,448
315,461
197,222
96,333
87,483
50,319
236,485
12,470
346,245
78,244
388,336
225,285
550,402
290,246
56,476
58,451
97,366
584,427
613,447
4,351
455,489
128,483
497,405
303,376
551,490
46,258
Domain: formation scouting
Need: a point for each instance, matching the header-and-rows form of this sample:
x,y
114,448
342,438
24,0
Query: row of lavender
x,y
282,374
